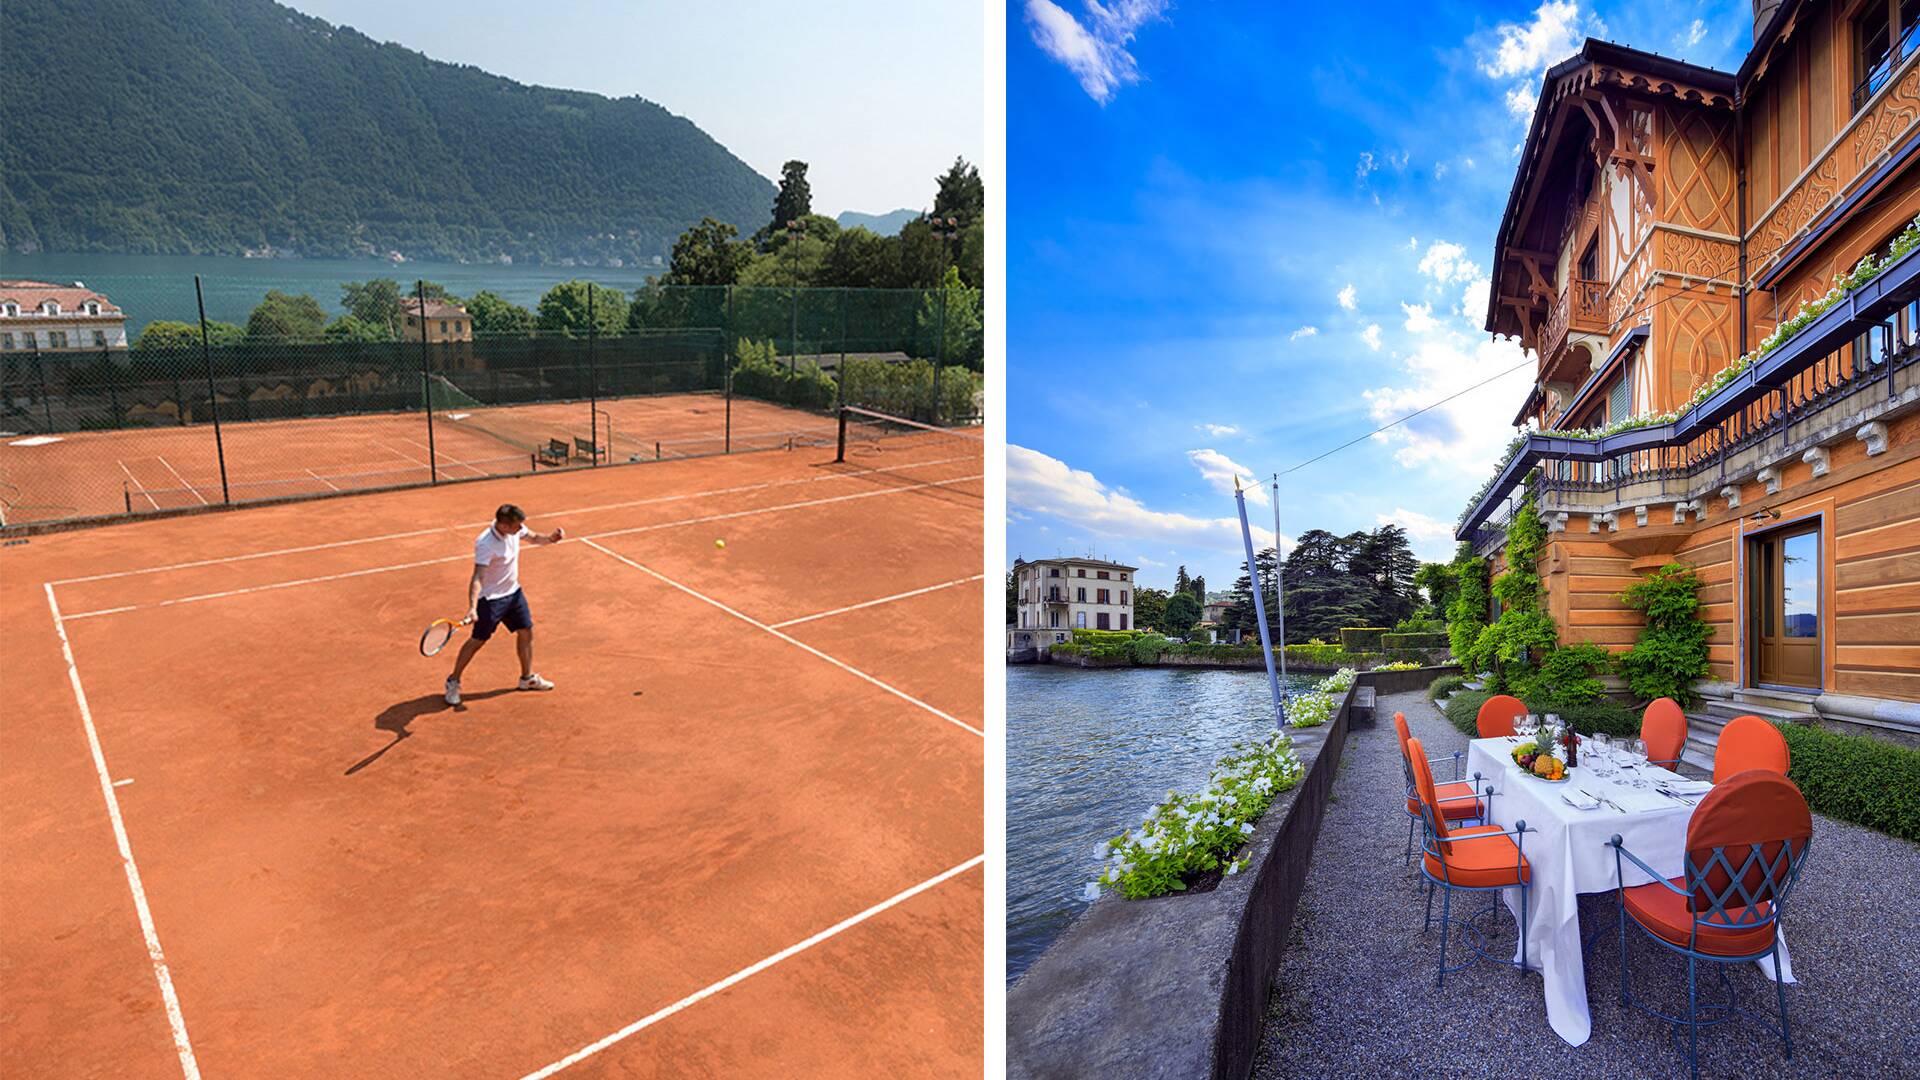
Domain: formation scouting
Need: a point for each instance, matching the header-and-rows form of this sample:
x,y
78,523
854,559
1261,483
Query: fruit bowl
x,y
1540,765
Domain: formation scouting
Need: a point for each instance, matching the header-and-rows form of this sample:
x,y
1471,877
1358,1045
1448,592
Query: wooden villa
x,y
1665,221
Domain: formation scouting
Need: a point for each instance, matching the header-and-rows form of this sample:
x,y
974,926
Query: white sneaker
x,y
535,682
453,691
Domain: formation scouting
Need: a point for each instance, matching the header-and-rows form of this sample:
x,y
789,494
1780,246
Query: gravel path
x,y
1354,996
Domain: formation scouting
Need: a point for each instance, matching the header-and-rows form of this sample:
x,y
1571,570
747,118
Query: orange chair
x,y
1663,727
1748,742
1746,844
1478,858
1458,802
1497,715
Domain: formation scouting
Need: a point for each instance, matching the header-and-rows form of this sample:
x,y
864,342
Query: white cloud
x,y
1420,318
1431,538
1219,471
1050,486
1303,332
1521,99
1094,50
1465,436
1525,49
1367,165
1447,262
1371,335
1218,431
1347,297
1473,301
1413,243
1695,34
1440,171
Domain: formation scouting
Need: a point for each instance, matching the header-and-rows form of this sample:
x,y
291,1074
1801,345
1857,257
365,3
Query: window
x,y
1123,596
6,341
93,307
13,310
56,339
1123,577
1590,261
1103,575
443,326
1080,620
1082,573
1023,620
1053,571
1102,622
50,307
1123,621
1884,34
1053,619
1082,597
1100,597
100,338
1619,400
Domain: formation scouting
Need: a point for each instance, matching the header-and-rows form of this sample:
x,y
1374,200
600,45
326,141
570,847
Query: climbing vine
x,y
1671,651
1467,614
1524,633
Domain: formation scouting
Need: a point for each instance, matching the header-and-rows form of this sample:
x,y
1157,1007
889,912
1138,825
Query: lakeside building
x,y
45,317
444,321
1664,221
1059,596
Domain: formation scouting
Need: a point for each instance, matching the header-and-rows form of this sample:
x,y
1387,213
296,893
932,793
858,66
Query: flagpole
x,y
1279,588
1259,606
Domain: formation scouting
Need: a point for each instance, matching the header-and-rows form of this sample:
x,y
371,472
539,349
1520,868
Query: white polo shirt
x,y
499,559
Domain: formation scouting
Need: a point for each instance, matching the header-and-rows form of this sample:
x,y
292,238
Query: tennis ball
x,y
719,543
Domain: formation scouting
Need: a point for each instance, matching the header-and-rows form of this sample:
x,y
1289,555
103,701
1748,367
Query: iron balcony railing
x,y
1872,332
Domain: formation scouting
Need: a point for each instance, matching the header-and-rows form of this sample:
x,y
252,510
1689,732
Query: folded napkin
x,y
1640,800
1687,787
1579,800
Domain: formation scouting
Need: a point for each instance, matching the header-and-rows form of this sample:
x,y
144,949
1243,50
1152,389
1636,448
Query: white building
x,y
40,316
1058,596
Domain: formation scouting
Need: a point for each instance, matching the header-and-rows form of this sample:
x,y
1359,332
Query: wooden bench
x,y
586,449
556,453
1361,711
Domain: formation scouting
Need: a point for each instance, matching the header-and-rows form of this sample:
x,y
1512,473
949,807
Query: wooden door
x,y
1783,571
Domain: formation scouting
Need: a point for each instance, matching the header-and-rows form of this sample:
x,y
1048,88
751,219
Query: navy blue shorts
x,y
509,611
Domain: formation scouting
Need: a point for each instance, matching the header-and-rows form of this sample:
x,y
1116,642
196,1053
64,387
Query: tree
x,y
1441,583
1013,598
1384,561
1181,582
794,199
284,318
708,254
375,303
959,192
1181,613
791,263
162,335
494,316
563,310
353,328
1199,589
958,341
1149,609
860,259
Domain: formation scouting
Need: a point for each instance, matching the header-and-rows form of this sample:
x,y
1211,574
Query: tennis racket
x,y
437,635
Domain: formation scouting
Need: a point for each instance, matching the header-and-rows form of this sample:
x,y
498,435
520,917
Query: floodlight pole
x,y
1259,606
426,380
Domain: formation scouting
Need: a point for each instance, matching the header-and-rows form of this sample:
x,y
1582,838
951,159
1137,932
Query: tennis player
x,y
494,596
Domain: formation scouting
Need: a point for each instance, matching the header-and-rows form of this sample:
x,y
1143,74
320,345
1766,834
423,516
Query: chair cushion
x,y
1479,858
1467,808
1665,913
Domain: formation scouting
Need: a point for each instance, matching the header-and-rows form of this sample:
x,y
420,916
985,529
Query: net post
x,y
840,454
593,381
940,350
126,496
213,398
727,446
426,381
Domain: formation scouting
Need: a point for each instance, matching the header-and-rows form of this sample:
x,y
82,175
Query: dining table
x,y
1569,850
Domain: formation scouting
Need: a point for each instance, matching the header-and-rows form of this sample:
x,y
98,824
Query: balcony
x,y
1856,363
1580,308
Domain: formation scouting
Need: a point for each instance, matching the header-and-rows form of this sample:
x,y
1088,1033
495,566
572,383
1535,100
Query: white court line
x,y
751,970
138,485
188,1066
182,479
882,600
439,457
322,479
788,638
457,558
224,559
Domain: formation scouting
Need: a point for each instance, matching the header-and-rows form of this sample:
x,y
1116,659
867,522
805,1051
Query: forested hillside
x,y
224,126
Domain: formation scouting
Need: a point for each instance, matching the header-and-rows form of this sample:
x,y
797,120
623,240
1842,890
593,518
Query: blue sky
x,y
1242,234
877,97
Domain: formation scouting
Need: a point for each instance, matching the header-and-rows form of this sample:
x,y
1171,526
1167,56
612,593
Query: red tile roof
x,y
71,298
436,309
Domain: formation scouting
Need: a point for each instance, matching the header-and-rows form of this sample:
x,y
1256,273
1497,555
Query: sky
x,y
1240,235
876,96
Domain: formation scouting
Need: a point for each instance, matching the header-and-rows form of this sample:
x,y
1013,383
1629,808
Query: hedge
x,y
1391,642
1857,778
1100,644
1444,685
1607,717
1362,638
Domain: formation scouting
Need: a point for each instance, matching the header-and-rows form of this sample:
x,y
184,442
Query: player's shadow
x,y
395,718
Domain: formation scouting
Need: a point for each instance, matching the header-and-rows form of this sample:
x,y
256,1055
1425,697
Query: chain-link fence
x,y
182,420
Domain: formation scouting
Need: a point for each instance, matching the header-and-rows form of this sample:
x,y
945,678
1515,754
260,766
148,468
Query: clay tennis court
x,y
142,469
246,837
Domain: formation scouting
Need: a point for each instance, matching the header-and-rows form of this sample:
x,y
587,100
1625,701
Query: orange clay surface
x,y
94,473
709,852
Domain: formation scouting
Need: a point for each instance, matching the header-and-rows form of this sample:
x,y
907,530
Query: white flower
x,y
1091,891
1233,868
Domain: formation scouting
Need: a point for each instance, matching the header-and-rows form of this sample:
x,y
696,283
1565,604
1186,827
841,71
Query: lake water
x,y
150,287
1088,751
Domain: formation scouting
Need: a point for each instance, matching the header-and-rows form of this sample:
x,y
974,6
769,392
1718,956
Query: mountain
x,y
886,224
224,126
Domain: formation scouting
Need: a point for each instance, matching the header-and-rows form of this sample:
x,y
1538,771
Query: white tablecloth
x,y
1570,855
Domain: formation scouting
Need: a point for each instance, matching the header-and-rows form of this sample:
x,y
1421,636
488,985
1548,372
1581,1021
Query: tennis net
x,y
952,459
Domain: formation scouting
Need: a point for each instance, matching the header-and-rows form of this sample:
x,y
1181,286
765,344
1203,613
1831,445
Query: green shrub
x,y
1467,615
1463,710
1423,639
1568,675
1146,648
1444,685
1671,651
1361,638
1103,644
1857,778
